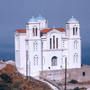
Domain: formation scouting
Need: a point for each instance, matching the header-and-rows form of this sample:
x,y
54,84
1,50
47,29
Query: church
x,y
40,48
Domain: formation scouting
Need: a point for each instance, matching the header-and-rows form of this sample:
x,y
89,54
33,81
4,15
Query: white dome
x,y
73,20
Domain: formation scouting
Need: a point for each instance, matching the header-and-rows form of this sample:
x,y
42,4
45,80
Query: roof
x,y
36,19
46,30
40,18
49,29
42,31
33,19
21,30
73,20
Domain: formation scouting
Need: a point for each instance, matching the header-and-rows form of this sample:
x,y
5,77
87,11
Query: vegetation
x,y
11,79
77,88
73,81
6,78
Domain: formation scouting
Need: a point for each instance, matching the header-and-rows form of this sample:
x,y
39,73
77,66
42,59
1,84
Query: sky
x,y
15,13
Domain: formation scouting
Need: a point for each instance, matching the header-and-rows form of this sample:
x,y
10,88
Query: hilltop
x,y
10,79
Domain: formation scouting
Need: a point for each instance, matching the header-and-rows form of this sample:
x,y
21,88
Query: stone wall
x,y
80,74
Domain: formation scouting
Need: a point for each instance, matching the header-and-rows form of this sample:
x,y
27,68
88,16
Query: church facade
x,y
40,48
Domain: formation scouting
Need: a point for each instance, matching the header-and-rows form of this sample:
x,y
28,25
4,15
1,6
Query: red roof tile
x,y
49,29
42,31
46,30
21,30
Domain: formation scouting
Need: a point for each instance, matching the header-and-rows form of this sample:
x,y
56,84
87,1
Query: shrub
x,y
73,81
77,88
4,87
6,78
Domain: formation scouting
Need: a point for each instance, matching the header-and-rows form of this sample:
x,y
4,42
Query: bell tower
x,y
74,42
33,28
73,28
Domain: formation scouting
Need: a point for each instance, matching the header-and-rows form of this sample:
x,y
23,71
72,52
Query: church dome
x,y
33,19
40,18
73,20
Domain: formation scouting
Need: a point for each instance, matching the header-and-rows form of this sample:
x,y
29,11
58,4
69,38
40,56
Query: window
x,y
75,44
35,31
54,61
83,73
50,43
48,67
75,57
35,60
53,42
76,30
73,30
56,42
35,44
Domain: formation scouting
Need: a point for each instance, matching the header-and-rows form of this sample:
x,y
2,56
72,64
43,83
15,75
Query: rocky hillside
x,y
11,79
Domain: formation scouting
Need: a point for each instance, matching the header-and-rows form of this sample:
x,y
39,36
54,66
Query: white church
x,y
40,48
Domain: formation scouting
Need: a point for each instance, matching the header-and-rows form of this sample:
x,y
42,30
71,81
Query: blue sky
x,y
15,13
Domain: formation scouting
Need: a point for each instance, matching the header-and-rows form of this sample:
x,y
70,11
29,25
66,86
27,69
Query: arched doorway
x,y
54,61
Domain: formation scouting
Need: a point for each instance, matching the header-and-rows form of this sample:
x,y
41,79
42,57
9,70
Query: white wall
x,y
20,53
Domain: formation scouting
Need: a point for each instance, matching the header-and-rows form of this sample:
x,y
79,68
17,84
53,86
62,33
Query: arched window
x,y
35,31
54,61
35,60
35,44
73,30
75,58
76,30
56,42
53,42
75,44
50,43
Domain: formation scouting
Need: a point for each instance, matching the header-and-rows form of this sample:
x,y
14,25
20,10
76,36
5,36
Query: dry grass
x,y
19,82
